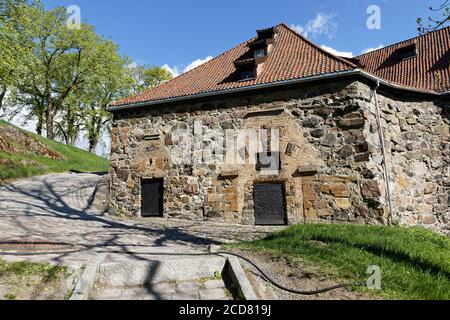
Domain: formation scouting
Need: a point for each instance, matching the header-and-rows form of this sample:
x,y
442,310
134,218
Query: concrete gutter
x,y
235,274
87,280
336,75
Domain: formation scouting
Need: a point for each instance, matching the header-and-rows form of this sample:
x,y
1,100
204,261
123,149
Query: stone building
x,y
362,140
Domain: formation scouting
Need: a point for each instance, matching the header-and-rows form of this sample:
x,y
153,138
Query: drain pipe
x,y
383,149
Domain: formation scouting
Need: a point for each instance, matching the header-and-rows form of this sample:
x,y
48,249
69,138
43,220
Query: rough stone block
x,y
336,189
214,197
230,173
427,219
370,189
325,213
307,170
355,123
343,203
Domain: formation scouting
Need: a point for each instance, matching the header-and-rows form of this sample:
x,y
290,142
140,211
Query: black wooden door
x,y
152,198
269,204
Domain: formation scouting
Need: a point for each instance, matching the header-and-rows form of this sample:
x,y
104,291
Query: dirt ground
x,y
293,273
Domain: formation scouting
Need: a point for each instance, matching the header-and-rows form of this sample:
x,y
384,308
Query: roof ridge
x,y
400,42
318,47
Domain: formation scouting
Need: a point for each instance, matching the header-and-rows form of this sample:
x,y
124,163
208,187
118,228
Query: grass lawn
x,y
25,281
26,164
415,263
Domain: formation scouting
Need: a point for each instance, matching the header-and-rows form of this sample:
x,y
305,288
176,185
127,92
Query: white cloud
x,y
196,63
175,70
132,65
300,30
322,24
372,49
346,54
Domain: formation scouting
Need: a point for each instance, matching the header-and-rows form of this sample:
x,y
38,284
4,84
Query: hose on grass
x,y
281,287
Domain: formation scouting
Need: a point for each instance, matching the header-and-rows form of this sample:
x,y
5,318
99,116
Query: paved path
x,y
54,209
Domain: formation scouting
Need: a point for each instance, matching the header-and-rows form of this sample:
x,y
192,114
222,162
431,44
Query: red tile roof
x,y
429,70
294,57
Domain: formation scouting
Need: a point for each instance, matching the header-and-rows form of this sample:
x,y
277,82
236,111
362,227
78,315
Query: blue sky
x,y
178,33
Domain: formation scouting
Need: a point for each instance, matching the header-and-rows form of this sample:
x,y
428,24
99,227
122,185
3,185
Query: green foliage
x,y
15,27
145,77
434,23
415,263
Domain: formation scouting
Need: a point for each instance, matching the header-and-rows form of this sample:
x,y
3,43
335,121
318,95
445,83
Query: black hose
x,y
279,286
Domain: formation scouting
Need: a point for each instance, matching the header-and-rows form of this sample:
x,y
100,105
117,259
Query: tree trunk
x,y
72,129
49,121
2,95
40,121
72,141
93,145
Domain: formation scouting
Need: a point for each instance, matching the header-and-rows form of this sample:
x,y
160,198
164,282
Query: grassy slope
x,y
415,263
75,159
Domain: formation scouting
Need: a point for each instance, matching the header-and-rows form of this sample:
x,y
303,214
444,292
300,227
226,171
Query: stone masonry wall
x,y
417,140
330,155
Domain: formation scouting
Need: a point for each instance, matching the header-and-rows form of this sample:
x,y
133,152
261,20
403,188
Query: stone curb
x,y
87,280
120,274
238,277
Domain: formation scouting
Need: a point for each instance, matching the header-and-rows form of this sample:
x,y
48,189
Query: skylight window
x,y
407,52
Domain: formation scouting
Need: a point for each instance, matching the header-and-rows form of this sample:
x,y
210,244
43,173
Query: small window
x,y
407,52
259,53
247,74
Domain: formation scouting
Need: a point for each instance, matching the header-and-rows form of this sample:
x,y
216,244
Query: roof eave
x,y
354,72
233,90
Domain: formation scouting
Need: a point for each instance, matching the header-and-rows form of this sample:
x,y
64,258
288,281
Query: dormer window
x,y
407,52
247,74
259,53
250,65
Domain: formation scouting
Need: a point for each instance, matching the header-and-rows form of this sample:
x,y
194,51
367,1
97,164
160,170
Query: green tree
x,y
15,41
146,77
65,77
111,82
434,23
60,68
